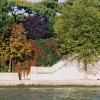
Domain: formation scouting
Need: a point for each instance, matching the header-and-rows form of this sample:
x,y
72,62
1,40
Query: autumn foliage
x,y
18,41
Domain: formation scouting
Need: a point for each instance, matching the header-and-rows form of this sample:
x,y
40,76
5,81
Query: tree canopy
x,y
39,32
23,27
78,30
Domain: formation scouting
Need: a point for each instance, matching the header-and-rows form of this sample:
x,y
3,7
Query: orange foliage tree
x,y
18,43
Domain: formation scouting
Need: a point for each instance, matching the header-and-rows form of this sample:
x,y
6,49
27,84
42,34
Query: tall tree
x,y
17,44
4,17
78,31
5,21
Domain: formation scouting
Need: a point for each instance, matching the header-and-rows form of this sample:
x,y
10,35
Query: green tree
x,y
5,21
78,31
4,55
45,8
4,17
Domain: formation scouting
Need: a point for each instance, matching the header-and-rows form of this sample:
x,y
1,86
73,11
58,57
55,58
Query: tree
x,y
78,31
20,35
4,17
47,53
18,42
5,21
37,27
4,55
21,49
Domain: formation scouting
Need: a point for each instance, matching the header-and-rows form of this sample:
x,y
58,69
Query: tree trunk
x,y
10,64
85,69
14,16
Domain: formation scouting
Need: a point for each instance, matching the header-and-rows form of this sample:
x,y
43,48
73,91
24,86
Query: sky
x,y
40,0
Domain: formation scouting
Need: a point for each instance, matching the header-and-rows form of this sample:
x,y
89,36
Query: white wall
x,y
8,76
63,70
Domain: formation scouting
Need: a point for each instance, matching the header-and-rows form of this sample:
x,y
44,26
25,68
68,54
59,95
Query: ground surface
x,y
50,82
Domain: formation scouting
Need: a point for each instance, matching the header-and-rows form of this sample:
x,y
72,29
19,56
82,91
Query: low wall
x,y
62,74
8,76
63,70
